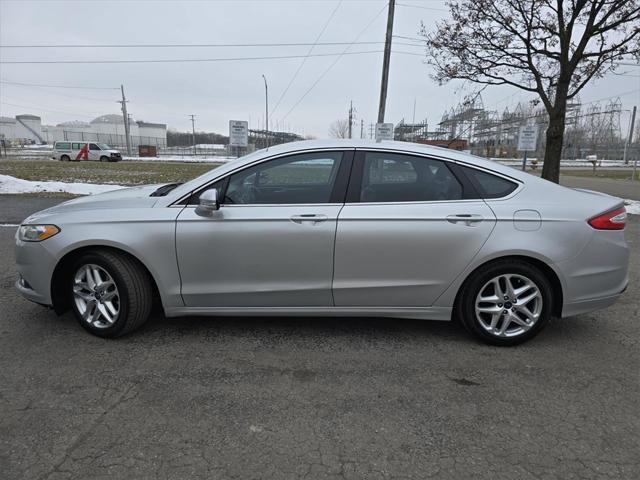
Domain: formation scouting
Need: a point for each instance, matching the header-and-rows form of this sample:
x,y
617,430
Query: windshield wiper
x,y
165,189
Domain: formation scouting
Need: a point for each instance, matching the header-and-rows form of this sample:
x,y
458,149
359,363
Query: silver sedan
x,y
333,228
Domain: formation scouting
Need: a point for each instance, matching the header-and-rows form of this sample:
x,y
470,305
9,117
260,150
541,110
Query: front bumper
x,y
35,266
27,292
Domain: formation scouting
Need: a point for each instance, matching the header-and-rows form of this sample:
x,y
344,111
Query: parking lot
x,y
343,398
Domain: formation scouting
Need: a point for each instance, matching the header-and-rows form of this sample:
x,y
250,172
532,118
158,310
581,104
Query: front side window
x,y
93,146
297,179
391,177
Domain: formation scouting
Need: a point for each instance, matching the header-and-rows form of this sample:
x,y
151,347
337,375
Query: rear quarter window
x,y
489,185
63,146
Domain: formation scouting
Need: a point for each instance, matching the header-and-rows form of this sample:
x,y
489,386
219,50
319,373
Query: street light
x,y
266,110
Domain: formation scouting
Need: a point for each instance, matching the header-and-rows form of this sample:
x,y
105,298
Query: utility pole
x,y
193,132
125,117
361,128
627,144
385,64
350,118
372,128
414,111
266,110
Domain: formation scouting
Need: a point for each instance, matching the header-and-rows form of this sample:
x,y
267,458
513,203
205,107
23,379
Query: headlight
x,y
37,233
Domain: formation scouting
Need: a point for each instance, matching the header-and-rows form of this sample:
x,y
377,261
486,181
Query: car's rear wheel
x,y
506,302
65,158
104,159
111,293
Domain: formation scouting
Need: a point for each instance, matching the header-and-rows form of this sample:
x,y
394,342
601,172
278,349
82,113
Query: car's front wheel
x,y
506,303
111,293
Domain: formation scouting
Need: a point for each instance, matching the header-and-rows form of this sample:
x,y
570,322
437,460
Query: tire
x,y
65,158
128,308
485,317
104,159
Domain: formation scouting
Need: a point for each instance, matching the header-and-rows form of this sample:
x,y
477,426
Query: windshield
x,y
103,146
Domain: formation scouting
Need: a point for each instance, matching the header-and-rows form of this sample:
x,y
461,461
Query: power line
x,y
47,110
192,45
186,60
422,7
60,94
344,52
304,60
57,86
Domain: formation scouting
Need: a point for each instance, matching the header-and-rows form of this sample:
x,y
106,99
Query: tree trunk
x,y
555,137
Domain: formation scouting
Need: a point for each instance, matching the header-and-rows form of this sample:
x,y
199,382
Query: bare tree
x,y
549,47
339,129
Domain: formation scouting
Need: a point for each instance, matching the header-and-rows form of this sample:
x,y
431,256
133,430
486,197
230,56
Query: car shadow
x,y
559,332
306,326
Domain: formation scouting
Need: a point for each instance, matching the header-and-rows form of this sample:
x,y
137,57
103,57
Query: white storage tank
x,y
29,127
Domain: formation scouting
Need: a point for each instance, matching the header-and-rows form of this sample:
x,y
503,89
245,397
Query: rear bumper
x,y
597,276
586,306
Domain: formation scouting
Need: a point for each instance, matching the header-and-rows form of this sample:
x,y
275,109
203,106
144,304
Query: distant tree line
x,y
185,139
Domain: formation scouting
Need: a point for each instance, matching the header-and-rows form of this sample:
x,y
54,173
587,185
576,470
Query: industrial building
x,y
109,129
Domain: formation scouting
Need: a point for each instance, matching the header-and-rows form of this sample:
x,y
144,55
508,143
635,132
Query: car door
x,y
271,243
409,227
94,152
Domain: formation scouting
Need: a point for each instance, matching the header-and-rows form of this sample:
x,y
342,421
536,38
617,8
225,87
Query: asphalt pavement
x,y
288,398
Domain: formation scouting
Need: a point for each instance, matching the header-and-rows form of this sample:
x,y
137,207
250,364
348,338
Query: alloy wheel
x,y
508,305
96,296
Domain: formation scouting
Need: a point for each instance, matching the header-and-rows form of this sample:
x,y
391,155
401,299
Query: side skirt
x,y
421,313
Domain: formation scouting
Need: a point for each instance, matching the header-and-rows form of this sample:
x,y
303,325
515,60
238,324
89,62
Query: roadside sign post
x,y
384,131
527,141
238,134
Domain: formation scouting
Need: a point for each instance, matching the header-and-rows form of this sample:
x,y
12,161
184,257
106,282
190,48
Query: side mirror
x,y
208,203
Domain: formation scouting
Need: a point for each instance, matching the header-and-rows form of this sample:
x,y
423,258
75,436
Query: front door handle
x,y
313,218
468,219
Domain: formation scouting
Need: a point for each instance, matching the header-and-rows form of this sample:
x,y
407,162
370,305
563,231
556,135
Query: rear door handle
x,y
468,219
309,217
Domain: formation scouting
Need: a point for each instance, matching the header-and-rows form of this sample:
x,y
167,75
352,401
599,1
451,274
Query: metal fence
x,y
114,139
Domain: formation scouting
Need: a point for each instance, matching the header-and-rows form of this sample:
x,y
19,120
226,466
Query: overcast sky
x,y
219,91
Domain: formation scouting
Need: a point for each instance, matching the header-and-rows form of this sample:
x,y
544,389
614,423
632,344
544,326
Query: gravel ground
x,y
265,398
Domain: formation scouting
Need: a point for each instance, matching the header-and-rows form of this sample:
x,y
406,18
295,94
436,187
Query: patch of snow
x,y
632,206
9,184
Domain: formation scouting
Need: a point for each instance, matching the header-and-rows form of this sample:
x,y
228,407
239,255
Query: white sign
x,y
384,131
528,138
238,133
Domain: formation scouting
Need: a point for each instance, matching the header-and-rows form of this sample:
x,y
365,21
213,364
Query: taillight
x,y
612,220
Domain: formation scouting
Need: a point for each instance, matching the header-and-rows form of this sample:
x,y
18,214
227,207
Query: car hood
x,y
134,197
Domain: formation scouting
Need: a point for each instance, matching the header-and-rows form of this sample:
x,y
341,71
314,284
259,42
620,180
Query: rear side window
x,y
77,146
488,185
63,146
391,177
